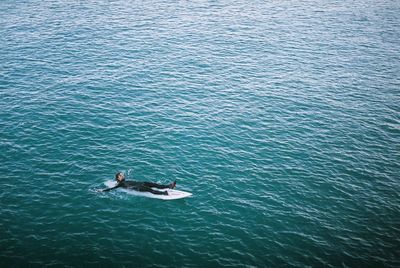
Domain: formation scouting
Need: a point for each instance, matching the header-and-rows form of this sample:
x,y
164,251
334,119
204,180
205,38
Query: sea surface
x,y
281,117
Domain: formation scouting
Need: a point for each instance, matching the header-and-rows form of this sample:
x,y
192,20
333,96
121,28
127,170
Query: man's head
x,y
119,177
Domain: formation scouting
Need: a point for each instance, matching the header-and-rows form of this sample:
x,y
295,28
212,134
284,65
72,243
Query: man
x,y
140,186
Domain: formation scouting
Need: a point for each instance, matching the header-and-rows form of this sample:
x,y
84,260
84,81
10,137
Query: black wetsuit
x,y
141,187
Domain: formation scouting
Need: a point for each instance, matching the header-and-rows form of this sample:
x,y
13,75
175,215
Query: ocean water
x,y
281,117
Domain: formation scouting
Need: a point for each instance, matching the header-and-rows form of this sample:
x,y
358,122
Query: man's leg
x,y
155,185
145,188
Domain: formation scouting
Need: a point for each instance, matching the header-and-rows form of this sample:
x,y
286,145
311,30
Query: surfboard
x,y
173,194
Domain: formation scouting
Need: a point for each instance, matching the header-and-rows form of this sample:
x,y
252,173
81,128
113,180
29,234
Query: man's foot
x,y
172,185
165,193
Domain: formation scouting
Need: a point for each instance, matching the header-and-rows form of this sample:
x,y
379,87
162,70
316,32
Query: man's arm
x,y
112,188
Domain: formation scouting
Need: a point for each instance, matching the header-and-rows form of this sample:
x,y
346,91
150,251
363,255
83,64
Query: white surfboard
x,y
172,193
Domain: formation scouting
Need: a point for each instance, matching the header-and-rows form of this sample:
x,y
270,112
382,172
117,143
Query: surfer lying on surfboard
x,y
140,186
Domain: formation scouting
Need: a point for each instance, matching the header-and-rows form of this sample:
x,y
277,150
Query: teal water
x,y
281,117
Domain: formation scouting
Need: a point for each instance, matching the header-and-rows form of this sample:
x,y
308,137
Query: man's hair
x,y
116,175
